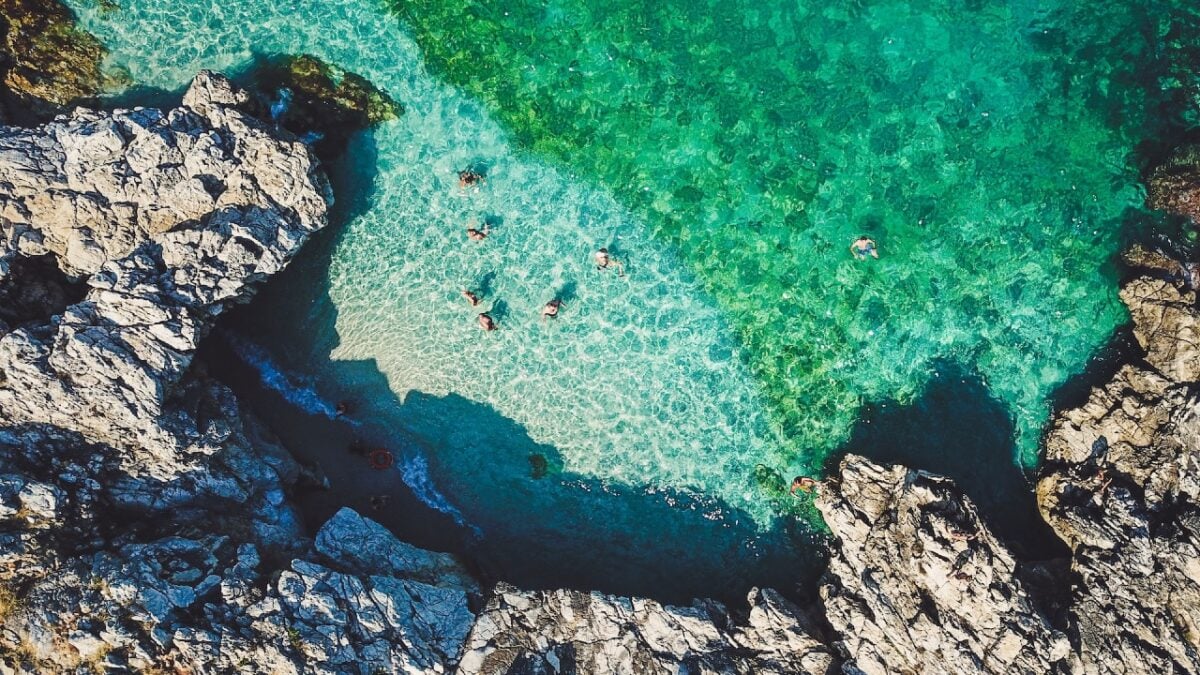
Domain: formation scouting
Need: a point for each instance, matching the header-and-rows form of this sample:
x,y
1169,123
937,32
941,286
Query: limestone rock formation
x,y
1121,485
571,631
917,583
111,439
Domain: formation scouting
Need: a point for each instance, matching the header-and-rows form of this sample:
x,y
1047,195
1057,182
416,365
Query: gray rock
x,y
569,631
1121,486
363,546
917,583
1167,325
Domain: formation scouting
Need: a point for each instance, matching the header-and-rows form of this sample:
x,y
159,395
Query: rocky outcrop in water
x,y
309,96
917,583
1175,185
127,473
1121,485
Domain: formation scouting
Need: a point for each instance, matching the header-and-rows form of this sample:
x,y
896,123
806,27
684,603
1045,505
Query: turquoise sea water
x,y
728,151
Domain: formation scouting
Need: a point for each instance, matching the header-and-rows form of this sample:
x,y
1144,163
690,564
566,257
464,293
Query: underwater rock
x,y
1174,186
47,63
308,96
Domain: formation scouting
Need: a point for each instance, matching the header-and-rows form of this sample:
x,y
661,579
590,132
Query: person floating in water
x,y
379,501
471,297
862,247
486,322
804,484
468,178
605,261
550,309
476,234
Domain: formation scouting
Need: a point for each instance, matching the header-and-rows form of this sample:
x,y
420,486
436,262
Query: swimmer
x,y
486,322
475,234
862,247
471,297
803,483
550,309
469,178
358,447
604,261
341,409
379,501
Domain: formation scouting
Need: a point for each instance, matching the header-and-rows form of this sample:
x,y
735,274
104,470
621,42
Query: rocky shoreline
x,y
144,523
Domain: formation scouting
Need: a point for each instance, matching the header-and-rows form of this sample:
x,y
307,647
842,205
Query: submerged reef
x,y
47,63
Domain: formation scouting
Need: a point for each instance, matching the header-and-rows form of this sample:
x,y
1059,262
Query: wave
x,y
415,472
292,387
414,469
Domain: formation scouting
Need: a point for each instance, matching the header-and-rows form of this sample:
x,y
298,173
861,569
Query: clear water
x,y
728,151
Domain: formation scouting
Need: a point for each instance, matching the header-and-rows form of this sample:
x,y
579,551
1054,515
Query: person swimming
x,y
468,178
804,484
475,234
605,261
471,297
550,309
486,322
862,247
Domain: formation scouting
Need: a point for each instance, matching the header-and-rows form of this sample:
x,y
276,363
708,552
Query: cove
x,y
728,153
625,435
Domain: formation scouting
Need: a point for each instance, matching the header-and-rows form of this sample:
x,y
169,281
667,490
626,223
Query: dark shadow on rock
x,y
957,429
35,290
143,96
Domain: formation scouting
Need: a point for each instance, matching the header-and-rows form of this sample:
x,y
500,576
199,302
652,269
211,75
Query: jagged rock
x,y
365,547
102,405
568,631
1121,485
1167,325
92,187
917,583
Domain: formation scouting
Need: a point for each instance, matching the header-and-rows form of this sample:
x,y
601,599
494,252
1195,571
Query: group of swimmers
x,y
472,178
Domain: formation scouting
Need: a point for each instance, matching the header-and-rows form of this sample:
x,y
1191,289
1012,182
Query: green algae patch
x,y
761,138
325,98
48,64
